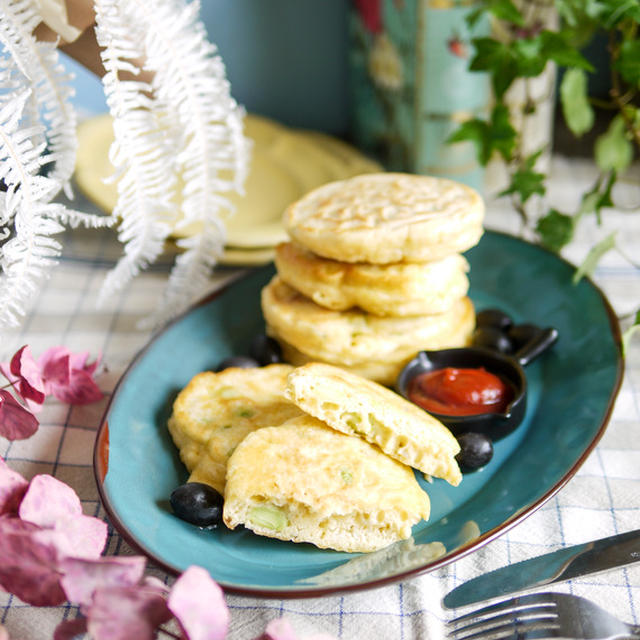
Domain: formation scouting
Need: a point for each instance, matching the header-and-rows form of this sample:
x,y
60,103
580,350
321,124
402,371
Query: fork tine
x,y
520,602
517,617
509,633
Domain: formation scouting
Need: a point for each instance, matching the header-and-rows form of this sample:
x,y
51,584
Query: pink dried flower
x,y
24,373
82,578
279,629
198,604
68,377
48,499
55,507
16,422
70,629
59,372
49,527
12,488
123,613
28,567
77,536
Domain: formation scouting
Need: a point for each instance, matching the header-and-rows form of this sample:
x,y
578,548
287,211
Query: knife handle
x,y
606,553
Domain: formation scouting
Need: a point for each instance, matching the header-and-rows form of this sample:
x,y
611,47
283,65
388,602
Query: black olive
x,y
244,362
522,334
265,349
493,318
197,503
476,450
491,338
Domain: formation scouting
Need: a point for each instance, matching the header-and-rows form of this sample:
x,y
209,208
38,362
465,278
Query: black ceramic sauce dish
x,y
508,367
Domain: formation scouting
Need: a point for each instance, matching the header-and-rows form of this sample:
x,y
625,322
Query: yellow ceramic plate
x,y
286,163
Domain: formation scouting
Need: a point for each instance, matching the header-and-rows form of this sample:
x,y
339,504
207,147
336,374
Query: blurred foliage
x,y
524,53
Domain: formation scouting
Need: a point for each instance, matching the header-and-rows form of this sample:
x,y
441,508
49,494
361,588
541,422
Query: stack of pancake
x,y
374,272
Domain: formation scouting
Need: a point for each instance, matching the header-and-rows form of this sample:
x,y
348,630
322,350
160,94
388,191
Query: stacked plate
x,y
285,164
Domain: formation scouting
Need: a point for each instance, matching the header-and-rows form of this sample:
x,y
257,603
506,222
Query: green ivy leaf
x,y
528,56
613,150
496,58
473,16
577,111
525,182
489,54
479,133
588,203
530,161
503,135
628,334
557,47
505,10
593,257
628,64
498,135
555,229
597,198
605,199
615,11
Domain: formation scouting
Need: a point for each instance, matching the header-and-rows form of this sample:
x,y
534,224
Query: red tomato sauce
x,y
460,392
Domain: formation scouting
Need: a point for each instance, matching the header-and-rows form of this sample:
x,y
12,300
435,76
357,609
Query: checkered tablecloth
x,y
602,499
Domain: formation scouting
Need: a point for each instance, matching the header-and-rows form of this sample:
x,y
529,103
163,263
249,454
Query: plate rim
x,y
101,446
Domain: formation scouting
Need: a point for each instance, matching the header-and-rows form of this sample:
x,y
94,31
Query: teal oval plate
x,y
572,388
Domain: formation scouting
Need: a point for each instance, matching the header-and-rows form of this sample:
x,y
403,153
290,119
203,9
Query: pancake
x,y
215,411
383,218
356,406
354,338
305,482
399,289
385,372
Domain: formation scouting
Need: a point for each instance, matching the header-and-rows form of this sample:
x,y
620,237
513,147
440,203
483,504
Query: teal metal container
x,y
410,86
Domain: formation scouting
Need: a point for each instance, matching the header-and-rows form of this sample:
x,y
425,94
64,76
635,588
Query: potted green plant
x,y
521,49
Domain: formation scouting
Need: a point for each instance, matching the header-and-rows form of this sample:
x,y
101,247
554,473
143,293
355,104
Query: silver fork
x,y
541,615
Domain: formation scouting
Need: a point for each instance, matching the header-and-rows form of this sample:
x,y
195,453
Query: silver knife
x,y
557,566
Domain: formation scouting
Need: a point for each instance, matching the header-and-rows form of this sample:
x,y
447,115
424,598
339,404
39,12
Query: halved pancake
x,y
357,406
399,289
387,217
215,411
305,482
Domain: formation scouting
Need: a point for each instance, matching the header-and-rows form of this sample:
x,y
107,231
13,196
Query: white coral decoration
x,y
184,123
191,127
51,90
35,115
140,152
